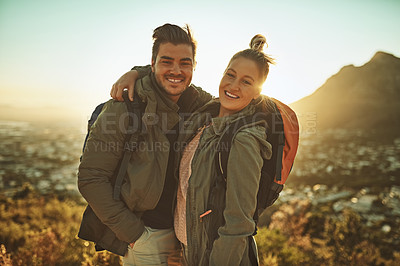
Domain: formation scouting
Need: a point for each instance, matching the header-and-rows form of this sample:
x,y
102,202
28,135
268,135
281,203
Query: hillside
x,y
364,97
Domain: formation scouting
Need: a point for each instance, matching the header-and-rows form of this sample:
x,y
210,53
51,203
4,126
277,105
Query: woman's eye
x,y
230,75
246,82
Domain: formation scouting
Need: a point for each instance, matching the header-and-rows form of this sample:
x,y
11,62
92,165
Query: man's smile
x,y
175,80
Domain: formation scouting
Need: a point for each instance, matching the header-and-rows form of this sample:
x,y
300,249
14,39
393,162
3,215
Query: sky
x,y
69,53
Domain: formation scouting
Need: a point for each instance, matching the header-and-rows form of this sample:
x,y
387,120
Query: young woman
x,y
239,96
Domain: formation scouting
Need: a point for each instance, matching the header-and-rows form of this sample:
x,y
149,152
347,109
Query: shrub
x,y
5,258
302,234
42,230
274,249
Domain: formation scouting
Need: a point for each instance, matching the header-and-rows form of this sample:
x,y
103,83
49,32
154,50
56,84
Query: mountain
x,y
365,97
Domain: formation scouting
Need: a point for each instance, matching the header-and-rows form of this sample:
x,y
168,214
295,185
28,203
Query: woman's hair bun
x,y
257,42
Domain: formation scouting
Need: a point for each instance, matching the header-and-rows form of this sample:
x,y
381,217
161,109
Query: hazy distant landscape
x,y
341,205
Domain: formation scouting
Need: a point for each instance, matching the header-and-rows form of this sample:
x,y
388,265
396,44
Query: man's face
x,y
173,68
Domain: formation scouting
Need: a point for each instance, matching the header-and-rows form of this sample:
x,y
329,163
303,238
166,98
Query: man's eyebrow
x,y
186,59
167,57
170,58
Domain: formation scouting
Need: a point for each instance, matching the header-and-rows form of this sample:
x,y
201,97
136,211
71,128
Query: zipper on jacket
x,y
204,214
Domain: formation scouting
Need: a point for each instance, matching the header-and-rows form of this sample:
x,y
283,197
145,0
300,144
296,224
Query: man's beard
x,y
164,89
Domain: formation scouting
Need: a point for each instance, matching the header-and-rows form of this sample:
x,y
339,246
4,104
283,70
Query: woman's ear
x,y
257,94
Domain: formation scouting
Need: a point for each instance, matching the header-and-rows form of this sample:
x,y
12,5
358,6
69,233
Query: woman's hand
x,y
126,81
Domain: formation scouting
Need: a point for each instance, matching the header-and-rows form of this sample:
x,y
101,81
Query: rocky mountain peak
x,y
383,57
358,97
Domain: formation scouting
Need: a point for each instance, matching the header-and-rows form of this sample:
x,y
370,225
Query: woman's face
x,y
240,84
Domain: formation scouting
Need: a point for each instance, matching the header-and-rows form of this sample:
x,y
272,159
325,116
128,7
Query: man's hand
x,y
126,81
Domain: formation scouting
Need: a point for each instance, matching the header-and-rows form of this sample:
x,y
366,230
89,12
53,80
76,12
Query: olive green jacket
x,y
146,172
245,161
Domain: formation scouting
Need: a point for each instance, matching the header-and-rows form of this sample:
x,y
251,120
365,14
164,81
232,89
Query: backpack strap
x,y
281,146
135,110
273,127
91,121
225,143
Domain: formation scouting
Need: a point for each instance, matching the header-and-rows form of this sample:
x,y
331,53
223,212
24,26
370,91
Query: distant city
x,y
45,156
341,168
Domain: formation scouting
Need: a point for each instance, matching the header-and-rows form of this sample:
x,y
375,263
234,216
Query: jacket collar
x,y
219,124
159,108
187,99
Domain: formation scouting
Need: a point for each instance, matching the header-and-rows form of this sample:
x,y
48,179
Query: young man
x,y
143,218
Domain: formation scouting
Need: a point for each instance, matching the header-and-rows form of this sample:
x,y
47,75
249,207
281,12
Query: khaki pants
x,y
154,247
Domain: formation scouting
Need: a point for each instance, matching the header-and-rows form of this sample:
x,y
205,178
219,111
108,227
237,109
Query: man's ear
x,y
194,65
152,65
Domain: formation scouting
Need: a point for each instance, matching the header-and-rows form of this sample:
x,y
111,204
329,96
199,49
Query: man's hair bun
x,y
257,43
